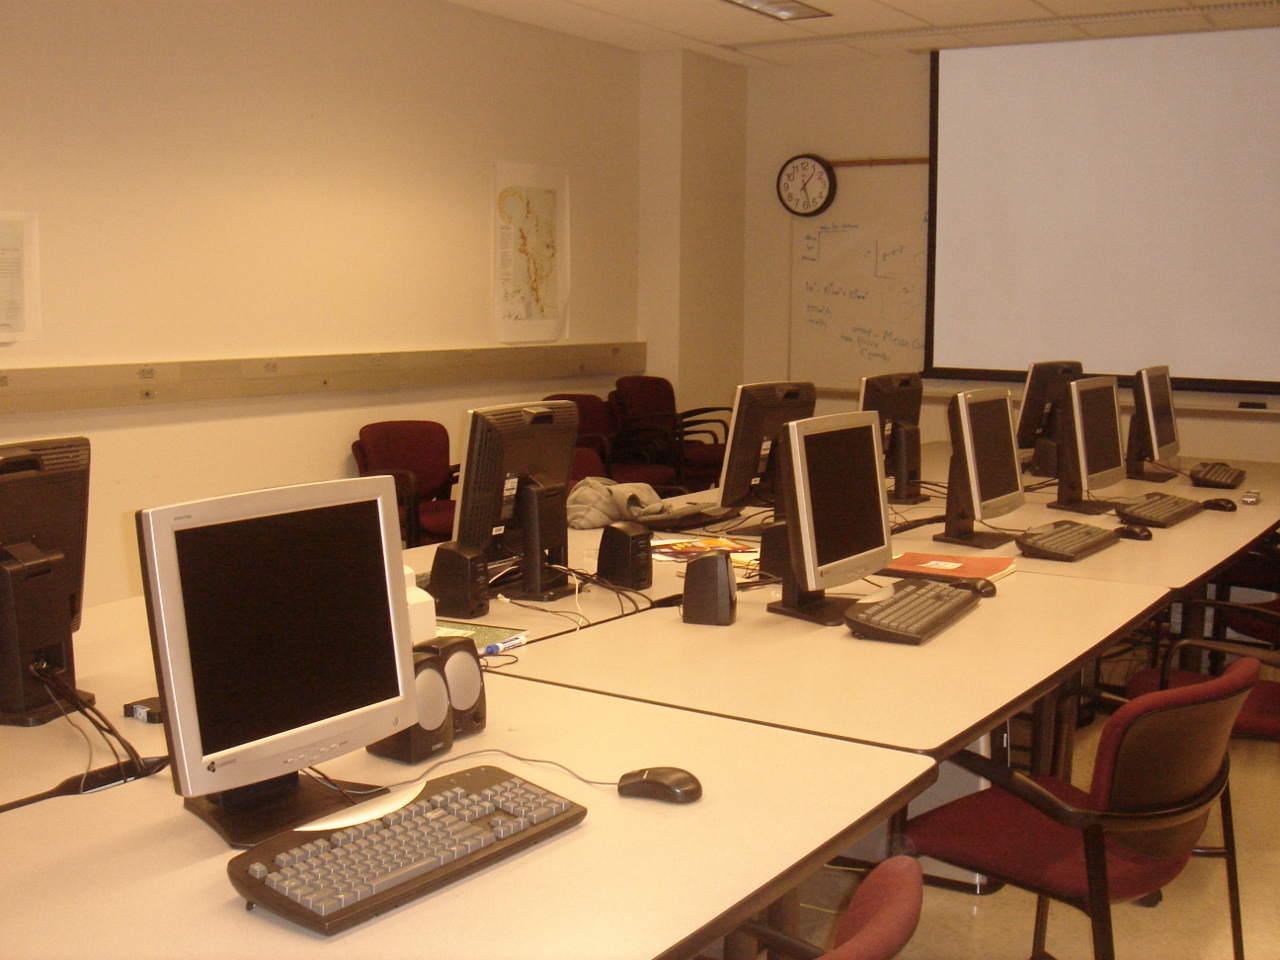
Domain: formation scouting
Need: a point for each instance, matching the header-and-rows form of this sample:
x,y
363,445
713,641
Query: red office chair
x,y
876,925
650,429
1161,763
596,429
416,454
1260,623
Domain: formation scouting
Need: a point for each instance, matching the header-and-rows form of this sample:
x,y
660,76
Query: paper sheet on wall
x,y
531,253
19,278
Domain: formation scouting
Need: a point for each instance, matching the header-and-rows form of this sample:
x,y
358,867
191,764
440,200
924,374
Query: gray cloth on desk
x,y
597,502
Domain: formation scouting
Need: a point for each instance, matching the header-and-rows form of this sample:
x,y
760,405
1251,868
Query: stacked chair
x,y
416,454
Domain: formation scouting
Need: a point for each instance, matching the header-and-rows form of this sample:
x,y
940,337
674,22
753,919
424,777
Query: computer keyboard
x,y
917,610
329,881
1065,540
1221,476
1158,510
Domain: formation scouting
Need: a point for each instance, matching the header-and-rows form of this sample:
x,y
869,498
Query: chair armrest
x,y
776,940
446,489
1246,609
1262,652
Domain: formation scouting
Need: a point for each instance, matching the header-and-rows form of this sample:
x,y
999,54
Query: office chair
x,y
596,430
876,924
1160,765
416,454
650,429
1259,625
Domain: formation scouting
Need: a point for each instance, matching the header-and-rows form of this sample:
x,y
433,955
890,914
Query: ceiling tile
x,y
1068,8
951,12
1147,26
1236,19
812,53
1039,33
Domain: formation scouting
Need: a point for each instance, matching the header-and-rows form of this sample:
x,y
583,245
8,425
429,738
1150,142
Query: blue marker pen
x,y
506,645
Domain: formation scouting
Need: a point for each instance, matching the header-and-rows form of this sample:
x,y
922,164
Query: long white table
x,y
776,670
129,872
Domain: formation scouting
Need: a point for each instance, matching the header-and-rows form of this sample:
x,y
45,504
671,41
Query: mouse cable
x,y
992,526
57,687
912,524
620,592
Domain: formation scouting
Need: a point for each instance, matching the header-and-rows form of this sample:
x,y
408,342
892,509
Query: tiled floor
x,y
1191,923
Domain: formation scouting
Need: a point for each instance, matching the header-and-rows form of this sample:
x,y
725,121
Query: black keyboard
x,y
1158,510
1065,540
1221,476
329,881
917,610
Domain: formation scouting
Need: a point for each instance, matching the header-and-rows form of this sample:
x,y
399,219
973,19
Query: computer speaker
x,y
710,589
459,581
433,733
465,682
624,558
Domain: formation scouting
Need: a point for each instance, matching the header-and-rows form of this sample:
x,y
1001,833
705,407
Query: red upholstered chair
x,y
652,430
596,429
876,925
586,463
416,454
1260,715
1161,764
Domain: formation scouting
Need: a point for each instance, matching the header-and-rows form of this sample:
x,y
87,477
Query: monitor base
x,y
903,501
1151,474
38,716
827,611
271,808
979,539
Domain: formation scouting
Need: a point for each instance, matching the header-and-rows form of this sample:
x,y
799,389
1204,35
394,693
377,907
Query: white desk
x,y
1175,557
129,873
777,670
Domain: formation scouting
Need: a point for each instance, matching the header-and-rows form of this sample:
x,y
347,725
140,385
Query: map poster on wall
x,y
531,253
19,278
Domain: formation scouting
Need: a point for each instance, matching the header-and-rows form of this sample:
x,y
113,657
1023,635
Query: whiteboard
x,y
858,278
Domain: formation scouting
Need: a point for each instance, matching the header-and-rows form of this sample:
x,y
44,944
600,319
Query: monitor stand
x,y
545,531
1147,470
904,445
248,815
812,605
958,526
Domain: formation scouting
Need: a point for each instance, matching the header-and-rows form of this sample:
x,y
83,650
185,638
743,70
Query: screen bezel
x,y
766,396
197,773
846,569
1006,503
1151,375
1111,475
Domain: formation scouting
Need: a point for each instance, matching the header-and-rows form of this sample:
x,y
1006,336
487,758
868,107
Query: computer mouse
x,y
1219,503
1133,531
979,585
668,784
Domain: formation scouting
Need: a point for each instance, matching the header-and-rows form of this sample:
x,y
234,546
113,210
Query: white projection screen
x,y
1115,202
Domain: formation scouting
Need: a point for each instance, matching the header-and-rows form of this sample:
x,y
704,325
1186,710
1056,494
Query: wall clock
x,y
806,185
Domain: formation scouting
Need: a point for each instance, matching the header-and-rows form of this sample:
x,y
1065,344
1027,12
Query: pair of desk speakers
x,y
451,701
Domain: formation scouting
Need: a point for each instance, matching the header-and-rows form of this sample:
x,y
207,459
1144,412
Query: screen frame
x,y
1005,503
1148,376
731,467
1110,475
197,773
846,569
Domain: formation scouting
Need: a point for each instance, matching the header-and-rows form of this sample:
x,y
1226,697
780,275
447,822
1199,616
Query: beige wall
x,y
230,178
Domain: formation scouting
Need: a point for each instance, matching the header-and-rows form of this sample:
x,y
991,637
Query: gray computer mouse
x,y
668,784
1133,531
1219,503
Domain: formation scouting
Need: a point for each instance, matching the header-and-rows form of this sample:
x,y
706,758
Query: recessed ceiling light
x,y
781,9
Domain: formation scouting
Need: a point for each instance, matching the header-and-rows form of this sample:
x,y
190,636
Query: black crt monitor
x,y
1041,417
837,526
44,512
984,480
1153,429
897,397
750,472
1090,456
514,486
280,630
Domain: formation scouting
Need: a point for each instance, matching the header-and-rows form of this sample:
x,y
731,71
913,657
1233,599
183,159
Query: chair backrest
x,y
647,397
418,445
586,463
1165,748
595,419
883,913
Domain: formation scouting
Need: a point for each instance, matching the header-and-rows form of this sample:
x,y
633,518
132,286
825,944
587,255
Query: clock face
x,y
806,185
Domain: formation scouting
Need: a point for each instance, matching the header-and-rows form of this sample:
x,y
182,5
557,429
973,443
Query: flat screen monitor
x,y
280,631
1153,429
985,478
1091,456
514,485
750,472
1044,405
837,526
44,510
897,397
